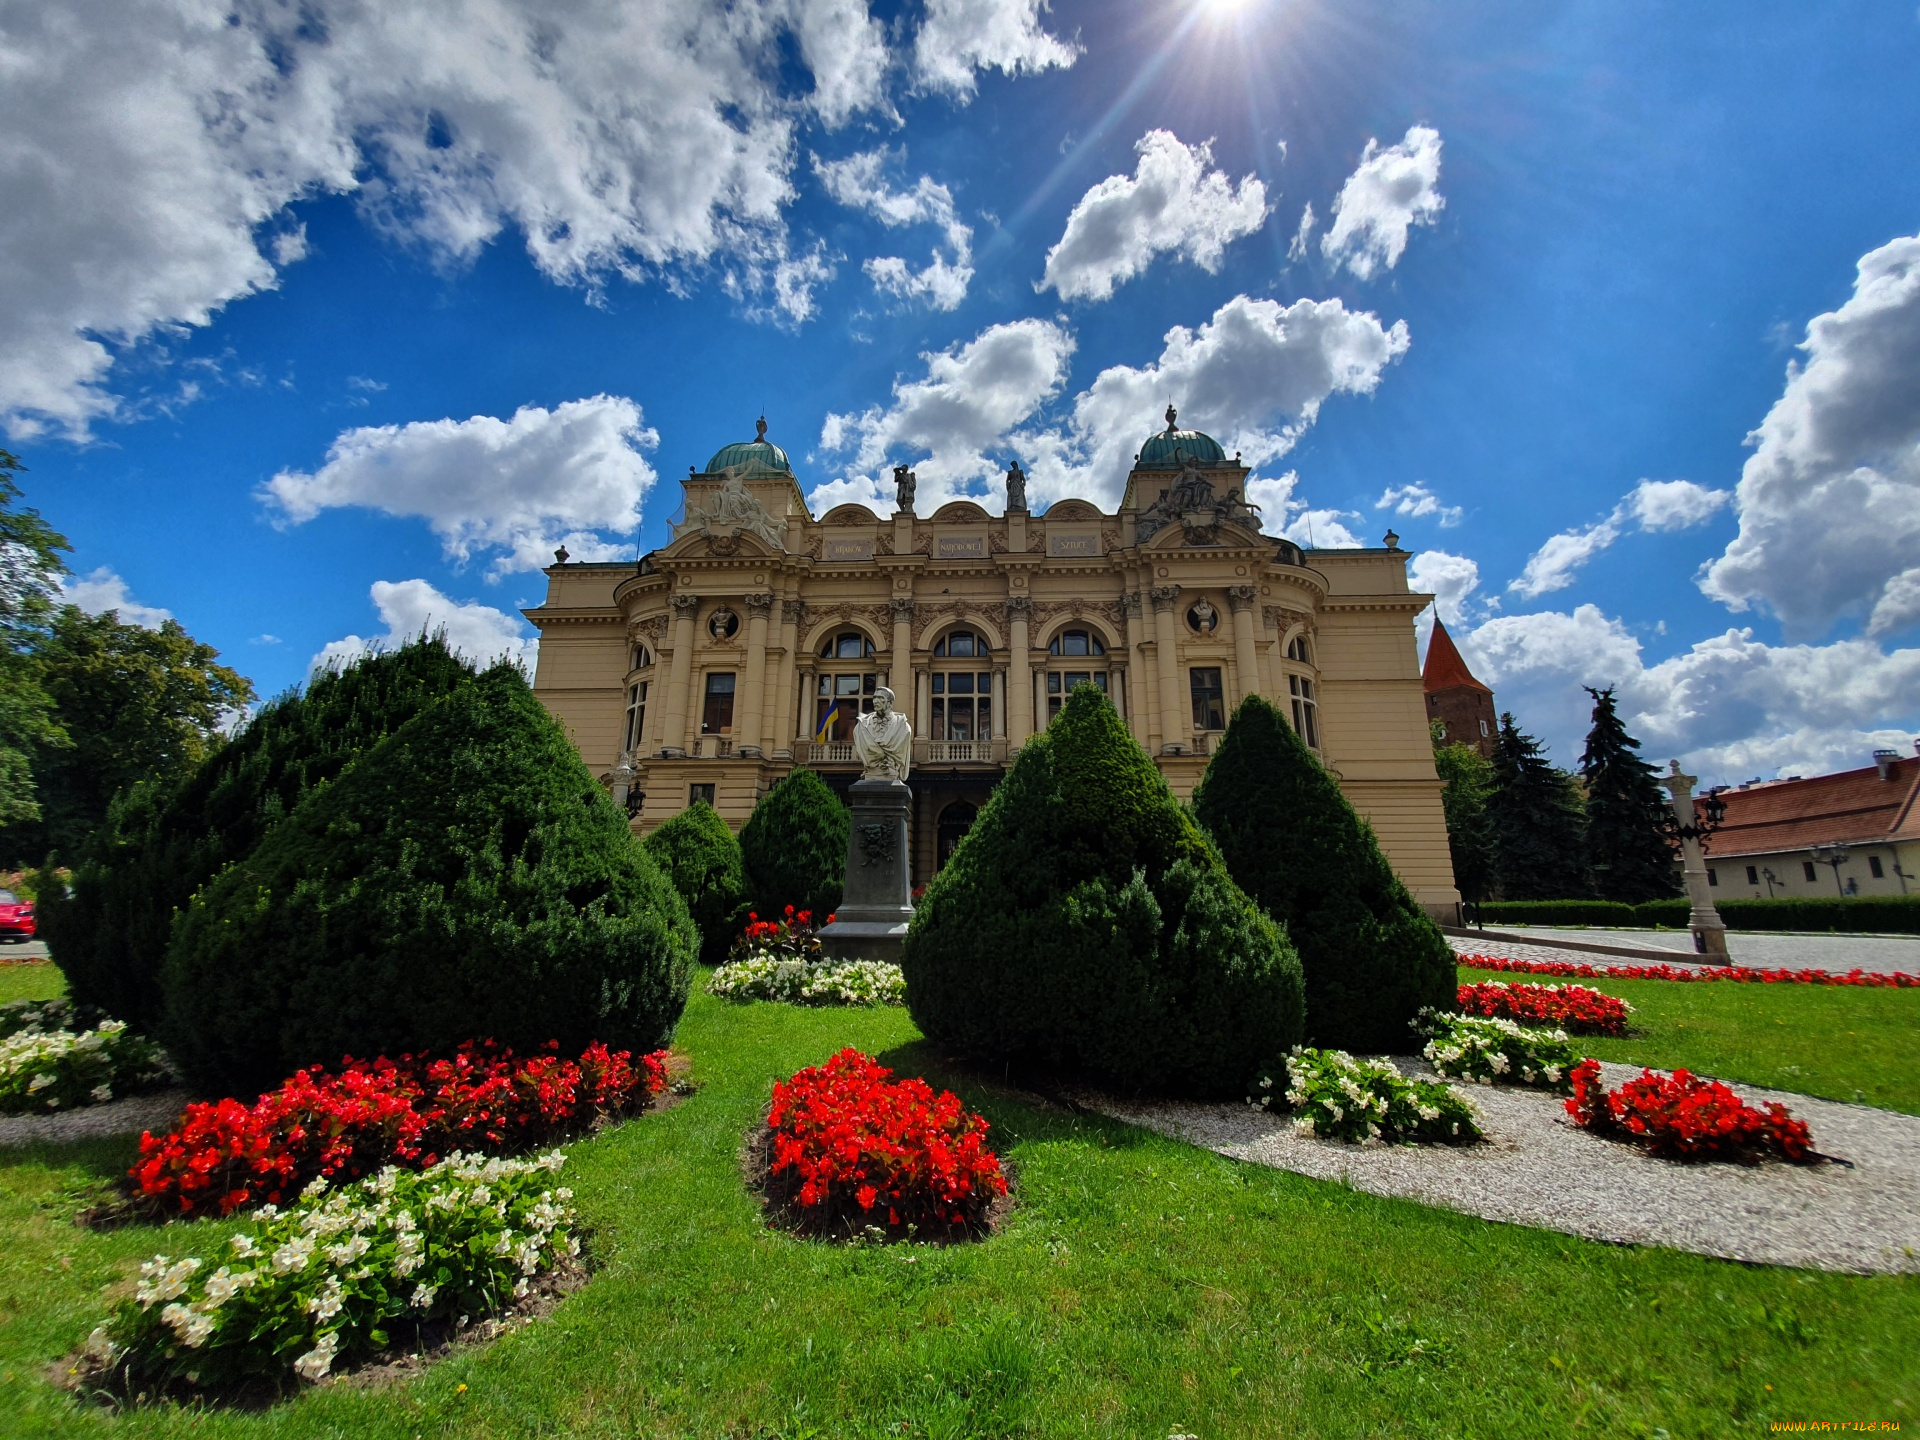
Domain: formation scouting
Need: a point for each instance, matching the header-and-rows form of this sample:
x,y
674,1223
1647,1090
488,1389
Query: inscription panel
x,y
961,547
848,548
1085,543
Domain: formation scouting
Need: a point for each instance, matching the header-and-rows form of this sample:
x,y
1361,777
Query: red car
x,y
16,918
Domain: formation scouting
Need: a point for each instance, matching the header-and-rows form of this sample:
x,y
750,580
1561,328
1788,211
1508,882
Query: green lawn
x,y
1142,1288
1843,1042
30,982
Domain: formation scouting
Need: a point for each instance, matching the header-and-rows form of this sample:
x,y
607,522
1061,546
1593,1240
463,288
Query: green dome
x,y
759,456
1167,450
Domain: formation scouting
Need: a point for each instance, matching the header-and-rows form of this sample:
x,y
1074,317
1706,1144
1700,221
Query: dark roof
x,y
1854,807
1445,670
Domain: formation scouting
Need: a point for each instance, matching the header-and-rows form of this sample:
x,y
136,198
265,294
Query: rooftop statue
x,y
734,508
883,740
904,482
1016,487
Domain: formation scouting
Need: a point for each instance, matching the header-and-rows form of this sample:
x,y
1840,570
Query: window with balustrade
x,y
1209,698
961,690
844,688
1074,657
716,717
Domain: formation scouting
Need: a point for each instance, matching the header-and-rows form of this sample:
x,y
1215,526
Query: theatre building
x,y
751,642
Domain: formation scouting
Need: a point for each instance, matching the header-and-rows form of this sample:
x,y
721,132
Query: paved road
x,y
32,950
1881,953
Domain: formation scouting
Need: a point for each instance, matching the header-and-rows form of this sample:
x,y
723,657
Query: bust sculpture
x,y
883,740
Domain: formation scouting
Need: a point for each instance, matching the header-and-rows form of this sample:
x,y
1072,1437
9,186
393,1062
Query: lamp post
x,y
623,777
1709,930
1834,854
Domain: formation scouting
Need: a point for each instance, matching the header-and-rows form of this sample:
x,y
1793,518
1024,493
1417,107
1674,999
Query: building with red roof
x,y
1462,705
1854,833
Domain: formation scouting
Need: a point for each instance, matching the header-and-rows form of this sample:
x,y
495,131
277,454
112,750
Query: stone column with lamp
x,y
1709,930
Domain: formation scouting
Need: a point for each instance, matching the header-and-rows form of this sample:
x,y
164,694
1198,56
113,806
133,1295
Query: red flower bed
x,y
851,1150
793,935
1574,1008
1742,974
410,1112
1683,1117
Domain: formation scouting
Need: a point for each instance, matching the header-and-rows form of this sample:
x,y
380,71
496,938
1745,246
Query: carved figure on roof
x,y
734,508
904,481
1016,487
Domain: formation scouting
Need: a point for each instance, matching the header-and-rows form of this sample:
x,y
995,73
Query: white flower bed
x,y
46,1067
810,982
1488,1050
296,1290
1336,1097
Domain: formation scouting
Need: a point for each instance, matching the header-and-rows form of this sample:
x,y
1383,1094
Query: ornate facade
x,y
750,643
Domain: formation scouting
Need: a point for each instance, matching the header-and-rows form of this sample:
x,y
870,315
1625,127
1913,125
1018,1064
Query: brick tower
x,y
1454,697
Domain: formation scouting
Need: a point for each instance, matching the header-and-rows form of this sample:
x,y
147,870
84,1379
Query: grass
x,y
29,981
1142,1288
1841,1042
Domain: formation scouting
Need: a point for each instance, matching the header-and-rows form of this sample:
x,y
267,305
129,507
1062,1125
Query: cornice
x,y
542,618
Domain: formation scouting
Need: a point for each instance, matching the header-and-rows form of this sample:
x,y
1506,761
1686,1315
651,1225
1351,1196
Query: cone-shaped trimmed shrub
x,y
1085,923
699,854
1371,956
794,847
465,879
110,935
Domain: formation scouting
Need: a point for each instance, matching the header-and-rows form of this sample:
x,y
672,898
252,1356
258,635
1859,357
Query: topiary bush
x,y
109,935
465,879
794,847
1371,957
702,859
1086,923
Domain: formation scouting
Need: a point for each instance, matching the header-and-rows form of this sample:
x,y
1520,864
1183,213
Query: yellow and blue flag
x,y
827,716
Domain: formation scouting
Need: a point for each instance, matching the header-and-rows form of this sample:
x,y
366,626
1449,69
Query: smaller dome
x,y
1166,450
758,456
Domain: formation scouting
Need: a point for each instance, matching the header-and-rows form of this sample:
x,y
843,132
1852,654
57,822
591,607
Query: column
x,y
749,729
1000,704
900,668
1019,673
782,726
685,609
1241,600
1140,698
923,704
803,722
1166,642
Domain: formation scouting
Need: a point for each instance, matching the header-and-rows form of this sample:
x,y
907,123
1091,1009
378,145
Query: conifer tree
x,y
1466,777
1086,922
793,848
1630,846
699,854
1371,957
1539,831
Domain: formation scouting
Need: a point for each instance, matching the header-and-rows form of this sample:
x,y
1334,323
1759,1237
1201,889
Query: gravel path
x,y
1764,950
117,1117
1539,1169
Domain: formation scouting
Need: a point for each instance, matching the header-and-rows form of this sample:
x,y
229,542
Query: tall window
x,y
1297,650
642,657
962,693
717,717
697,793
1209,698
1306,718
845,690
1074,657
636,714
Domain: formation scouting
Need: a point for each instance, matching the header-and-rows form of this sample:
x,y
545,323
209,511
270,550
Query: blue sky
x,y
331,321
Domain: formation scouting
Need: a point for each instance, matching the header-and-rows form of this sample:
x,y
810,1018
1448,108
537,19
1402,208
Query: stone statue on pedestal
x,y
883,740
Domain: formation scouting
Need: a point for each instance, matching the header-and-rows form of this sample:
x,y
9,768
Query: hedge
x,y
701,857
1861,915
465,878
1087,924
793,847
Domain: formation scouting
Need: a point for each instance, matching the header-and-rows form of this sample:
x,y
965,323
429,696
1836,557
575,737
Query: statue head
x,y
883,702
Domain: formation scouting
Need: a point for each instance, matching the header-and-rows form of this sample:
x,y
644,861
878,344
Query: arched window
x,y
642,657
1074,657
1297,650
844,691
1300,691
636,715
962,689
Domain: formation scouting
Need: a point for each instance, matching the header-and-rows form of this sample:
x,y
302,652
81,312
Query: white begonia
x,y
293,1256
319,1360
423,1296
327,1303
101,1094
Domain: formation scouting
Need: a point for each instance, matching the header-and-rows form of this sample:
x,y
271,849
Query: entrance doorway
x,y
951,829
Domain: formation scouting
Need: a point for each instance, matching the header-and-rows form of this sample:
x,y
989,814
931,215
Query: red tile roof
x,y
1445,670
1855,807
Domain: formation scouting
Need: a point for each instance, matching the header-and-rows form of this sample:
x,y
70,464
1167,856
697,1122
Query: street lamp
x,y
1709,930
623,777
1833,853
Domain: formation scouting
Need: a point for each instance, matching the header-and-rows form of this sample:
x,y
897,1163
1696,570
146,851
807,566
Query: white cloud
x,y
1172,202
1391,190
960,37
102,590
1303,236
1254,376
1730,706
1416,501
1554,565
524,486
946,424
1829,502
409,608
153,147
857,182
1450,579
1674,504
1898,605
1282,513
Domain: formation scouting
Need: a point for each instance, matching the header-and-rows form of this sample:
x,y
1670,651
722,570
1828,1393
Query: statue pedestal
x,y
876,905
